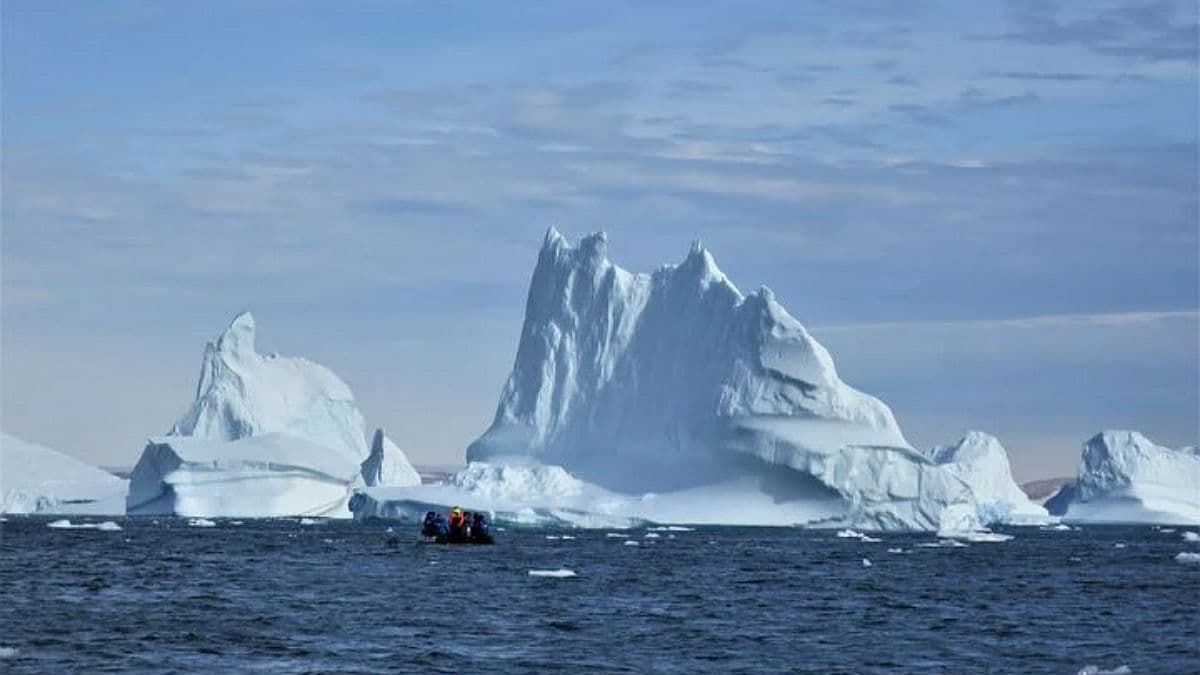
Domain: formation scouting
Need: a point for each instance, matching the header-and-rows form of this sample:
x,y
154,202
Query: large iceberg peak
x,y
627,378
242,393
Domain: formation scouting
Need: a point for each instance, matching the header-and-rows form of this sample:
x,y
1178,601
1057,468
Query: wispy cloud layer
x,y
392,166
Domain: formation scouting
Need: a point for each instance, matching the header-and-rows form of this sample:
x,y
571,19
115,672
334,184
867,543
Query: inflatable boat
x,y
460,528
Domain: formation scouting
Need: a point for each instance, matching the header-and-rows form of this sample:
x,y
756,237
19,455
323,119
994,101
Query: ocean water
x,y
282,596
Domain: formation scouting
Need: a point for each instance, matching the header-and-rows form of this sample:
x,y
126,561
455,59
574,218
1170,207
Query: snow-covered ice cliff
x,y
266,436
1126,478
36,479
675,397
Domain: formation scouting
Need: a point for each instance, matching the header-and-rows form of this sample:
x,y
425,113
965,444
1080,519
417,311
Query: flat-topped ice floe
x,y
1124,478
673,397
36,479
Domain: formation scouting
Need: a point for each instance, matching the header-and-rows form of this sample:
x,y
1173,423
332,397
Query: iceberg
x,y
1126,478
260,476
981,462
36,479
387,464
673,397
266,436
242,393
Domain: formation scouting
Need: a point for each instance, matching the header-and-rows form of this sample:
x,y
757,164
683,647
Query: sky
x,y
986,211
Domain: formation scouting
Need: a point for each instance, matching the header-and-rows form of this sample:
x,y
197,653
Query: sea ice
x,y
1188,558
201,522
1191,536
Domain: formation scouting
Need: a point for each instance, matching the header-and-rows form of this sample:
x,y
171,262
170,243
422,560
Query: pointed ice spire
x,y
239,337
553,239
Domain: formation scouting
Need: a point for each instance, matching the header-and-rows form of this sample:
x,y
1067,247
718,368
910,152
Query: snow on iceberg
x,y
36,479
387,464
266,436
674,397
1126,478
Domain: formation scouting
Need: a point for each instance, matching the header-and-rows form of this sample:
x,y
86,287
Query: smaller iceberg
x,y
1124,478
36,479
981,462
266,436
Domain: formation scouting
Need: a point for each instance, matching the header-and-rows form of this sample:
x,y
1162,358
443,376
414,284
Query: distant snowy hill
x,y
1126,478
266,436
36,479
673,396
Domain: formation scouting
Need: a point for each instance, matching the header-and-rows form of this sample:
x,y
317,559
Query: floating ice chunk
x,y
1191,536
895,550
944,543
976,536
616,535
310,521
1097,670
630,543
236,522
861,536
651,535
553,574
1119,544
1057,527
1166,530
866,563
64,524
201,522
8,652
671,528
553,537
568,536
1188,558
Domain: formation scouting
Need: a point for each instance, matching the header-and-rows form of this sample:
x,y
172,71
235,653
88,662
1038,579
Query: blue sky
x,y
987,211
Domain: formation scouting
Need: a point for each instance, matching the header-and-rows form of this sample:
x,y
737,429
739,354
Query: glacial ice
x,y
36,479
674,397
261,476
242,393
266,436
1126,478
387,464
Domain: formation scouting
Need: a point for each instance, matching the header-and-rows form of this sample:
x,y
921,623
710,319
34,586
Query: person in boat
x,y
458,524
479,528
429,527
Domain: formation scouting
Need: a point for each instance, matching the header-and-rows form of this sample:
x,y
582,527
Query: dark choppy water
x,y
279,596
